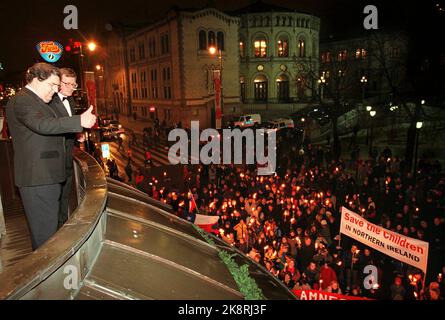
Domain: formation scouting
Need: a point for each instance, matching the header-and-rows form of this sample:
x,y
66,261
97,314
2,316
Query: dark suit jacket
x,y
57,105
39,147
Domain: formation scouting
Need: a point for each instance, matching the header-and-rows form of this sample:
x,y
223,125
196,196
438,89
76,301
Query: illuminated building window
x,y
301,48
342,55
260,46
360,54
260,85
283,50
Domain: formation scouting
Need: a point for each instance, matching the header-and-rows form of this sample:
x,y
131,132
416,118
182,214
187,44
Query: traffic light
x,y
73,46
77,47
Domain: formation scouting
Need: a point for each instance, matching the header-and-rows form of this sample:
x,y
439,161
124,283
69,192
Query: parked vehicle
x,y
281,123
248,120
111,133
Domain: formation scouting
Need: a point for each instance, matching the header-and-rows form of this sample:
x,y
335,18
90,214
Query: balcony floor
x,y
16,244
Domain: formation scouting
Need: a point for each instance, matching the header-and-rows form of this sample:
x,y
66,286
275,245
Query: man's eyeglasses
x,y
74,85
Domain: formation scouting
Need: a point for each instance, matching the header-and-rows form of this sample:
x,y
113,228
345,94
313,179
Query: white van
x,y
248,120
282,123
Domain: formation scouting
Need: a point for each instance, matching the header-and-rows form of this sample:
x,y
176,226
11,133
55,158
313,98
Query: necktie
x,y
64,98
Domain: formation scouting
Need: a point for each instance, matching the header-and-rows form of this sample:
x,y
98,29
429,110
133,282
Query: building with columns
x,y
279,51
170,69
268,56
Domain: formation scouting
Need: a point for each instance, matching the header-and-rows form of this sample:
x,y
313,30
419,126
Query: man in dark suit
x,y
63,104
39,148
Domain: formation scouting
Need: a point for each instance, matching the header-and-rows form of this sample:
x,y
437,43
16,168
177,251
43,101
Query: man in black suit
x,y
63,104
39,148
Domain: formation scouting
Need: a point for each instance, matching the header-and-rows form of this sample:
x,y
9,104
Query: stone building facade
x,y
279,52
267,55
170,69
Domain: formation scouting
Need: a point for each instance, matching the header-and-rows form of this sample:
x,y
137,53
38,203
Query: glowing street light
x,y
217,78
91,46
212,50
321,82
419,125
368,108
372,113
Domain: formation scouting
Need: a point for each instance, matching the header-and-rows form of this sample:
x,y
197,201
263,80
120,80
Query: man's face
x,y
45,89
67,85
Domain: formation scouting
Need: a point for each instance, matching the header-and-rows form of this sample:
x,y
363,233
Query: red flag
x,y
207,223
192,203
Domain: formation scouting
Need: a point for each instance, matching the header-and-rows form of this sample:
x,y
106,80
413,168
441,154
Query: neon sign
x,y
50,51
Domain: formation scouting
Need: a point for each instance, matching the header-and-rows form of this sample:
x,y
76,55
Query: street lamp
x,y
217,78
419,125
321,82
363,80
372,113
102,87
91,46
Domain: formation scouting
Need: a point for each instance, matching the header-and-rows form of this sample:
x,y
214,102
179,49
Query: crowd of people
x,y
289,222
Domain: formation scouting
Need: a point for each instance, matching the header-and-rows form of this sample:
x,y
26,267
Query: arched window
x,y
283,47
283,88
260,46
260,84
301,48
202,40
220,41
212,39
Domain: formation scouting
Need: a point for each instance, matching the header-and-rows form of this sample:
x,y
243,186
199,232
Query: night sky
x,y
24,23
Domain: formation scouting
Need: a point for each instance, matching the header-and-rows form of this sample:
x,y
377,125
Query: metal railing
x,y
41,274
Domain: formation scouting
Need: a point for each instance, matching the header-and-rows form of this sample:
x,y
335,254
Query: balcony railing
x,y
40,275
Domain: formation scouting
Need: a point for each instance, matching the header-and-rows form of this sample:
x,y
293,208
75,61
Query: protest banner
x,y
408,250
322,295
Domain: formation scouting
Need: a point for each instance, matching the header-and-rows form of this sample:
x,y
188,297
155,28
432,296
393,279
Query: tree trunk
x,y
411,139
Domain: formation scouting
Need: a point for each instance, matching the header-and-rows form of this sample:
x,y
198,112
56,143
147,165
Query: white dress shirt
x,y
65,103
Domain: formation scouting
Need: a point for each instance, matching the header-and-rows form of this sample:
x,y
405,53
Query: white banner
x,y
408,250
202,219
